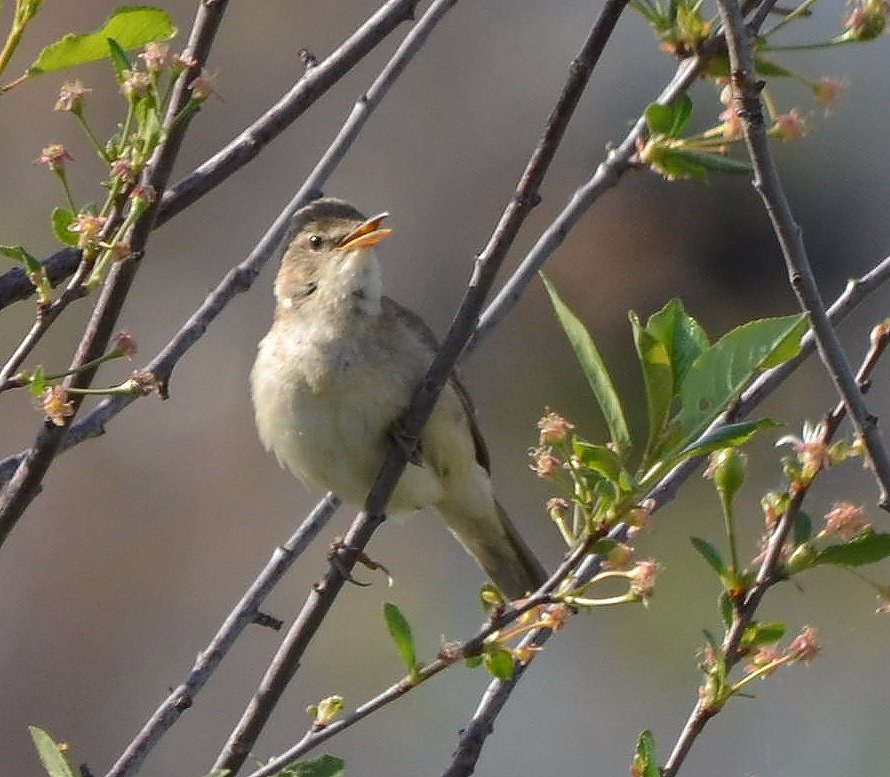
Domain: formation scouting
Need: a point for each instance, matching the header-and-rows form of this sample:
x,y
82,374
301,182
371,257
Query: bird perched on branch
x,y
337,371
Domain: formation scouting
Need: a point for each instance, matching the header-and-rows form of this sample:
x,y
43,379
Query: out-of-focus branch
x,y
746,96
47,315
26,482
181,698
14,284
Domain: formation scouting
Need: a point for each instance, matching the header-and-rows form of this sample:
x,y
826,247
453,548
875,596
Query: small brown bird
x,y
337,370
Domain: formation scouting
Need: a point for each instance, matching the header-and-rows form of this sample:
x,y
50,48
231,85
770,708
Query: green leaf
x,y
473,661
727,610
770,69
644,763
676,165
710,163
35,270
323,766
61,219
499,662
599,458
38,383
726,436
119,60
594,369
865,549
803,527
400,632
18,253
682,109
52,758
659,118
681,334
759,634
655,364
130,28
710,554
720,373
603,547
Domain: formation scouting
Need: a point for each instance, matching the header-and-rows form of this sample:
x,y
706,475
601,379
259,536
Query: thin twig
x,y
73,291
182,697
26,482
315,82
746,97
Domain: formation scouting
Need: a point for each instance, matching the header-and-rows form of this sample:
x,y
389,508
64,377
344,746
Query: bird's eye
x,y
316,241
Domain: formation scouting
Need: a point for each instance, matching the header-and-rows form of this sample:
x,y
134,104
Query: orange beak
x,y
366,234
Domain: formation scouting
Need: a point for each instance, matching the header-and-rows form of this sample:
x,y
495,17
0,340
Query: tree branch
x,y
746,96
181,698
769,574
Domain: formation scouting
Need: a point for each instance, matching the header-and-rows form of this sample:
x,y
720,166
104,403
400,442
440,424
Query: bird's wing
x,y
391,307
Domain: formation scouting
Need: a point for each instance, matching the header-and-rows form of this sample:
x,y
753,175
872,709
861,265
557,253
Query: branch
x,y
746,96
14,284
181,698
769,574
26,482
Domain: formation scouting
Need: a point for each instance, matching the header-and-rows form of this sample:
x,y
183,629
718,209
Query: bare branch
x,y
182,697
746,96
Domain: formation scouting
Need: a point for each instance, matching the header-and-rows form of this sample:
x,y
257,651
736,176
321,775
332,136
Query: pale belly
x,y
332,428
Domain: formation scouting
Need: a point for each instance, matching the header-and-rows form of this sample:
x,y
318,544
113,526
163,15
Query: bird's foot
x,y
338,546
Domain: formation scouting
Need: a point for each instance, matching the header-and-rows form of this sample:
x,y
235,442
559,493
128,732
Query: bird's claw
x,y
338,545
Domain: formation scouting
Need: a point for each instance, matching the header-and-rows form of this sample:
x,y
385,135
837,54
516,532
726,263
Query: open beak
x,y
366,234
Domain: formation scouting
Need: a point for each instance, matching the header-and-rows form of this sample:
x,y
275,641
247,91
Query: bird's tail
x,y
491,538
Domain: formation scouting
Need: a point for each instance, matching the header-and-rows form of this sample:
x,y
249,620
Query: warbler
x,y
335,374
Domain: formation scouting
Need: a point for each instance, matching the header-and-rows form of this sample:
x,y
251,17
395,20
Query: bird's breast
x,y
325,407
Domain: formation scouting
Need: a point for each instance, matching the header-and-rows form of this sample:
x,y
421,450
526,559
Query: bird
x,y
336,372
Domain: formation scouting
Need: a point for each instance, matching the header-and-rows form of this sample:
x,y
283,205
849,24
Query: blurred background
x,y
143,540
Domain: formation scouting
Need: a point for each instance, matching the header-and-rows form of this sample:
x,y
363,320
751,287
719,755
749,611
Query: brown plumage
x,y
337,370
